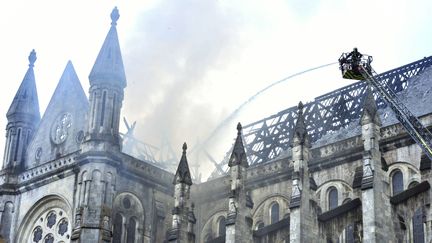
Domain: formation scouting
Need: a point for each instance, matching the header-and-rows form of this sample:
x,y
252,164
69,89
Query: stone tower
x,y
100,149
239,220
183,218
107,83
303,217
23,116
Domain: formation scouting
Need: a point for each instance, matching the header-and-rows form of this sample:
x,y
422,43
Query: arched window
x,y
118,228
346,200
52,226
418,230
397,182
259,225
128,219
6,220
221,226
207,238
349,233
413,184
274,213
332,198
131,230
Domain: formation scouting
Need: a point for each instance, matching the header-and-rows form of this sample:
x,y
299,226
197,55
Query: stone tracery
x,y
52,225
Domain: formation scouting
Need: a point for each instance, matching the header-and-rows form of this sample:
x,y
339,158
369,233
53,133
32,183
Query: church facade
x,y
65,178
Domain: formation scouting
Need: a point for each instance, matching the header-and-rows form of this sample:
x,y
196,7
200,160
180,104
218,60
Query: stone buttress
x,y
239,219
303,218
376,208
183,218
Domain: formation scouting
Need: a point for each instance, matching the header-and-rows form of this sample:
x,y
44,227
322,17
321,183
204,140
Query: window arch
x,y
128,218
259,225
118,228
346,200
274,213
397,182
349,233
6,219
417,224
221,226
413,184
47,221
131,230
332,197
207,238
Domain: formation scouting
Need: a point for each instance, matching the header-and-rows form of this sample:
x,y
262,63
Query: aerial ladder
x,y
357,66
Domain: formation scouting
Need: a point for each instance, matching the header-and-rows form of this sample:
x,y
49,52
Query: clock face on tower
x,y
60,128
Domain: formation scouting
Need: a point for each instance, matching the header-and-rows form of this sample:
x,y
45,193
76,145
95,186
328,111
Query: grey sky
x,y
190,63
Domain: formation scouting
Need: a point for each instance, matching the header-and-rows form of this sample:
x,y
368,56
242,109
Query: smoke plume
x,y
178,44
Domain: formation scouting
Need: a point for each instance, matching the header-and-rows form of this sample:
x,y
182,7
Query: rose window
x,y
60,128
51,227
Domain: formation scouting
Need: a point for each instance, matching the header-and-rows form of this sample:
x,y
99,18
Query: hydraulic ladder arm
x,y
421,135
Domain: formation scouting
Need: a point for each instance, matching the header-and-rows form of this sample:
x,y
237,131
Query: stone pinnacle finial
x,y
238,155
182,174
239,128
370,109
300,136
32,58
300,107
114,16
184,147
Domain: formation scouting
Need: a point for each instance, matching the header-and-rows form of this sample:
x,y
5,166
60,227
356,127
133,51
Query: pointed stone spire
x,y
69,77
107,83
183,174
370,109
300,136
26,100
23,116
108,67
238,155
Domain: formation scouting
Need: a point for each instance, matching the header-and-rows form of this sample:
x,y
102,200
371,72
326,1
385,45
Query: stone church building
x,y
66,179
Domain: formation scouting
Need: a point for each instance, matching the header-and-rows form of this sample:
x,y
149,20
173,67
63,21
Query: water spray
x,y
236,111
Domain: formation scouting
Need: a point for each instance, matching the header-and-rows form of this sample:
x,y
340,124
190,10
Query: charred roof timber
x,y
267,138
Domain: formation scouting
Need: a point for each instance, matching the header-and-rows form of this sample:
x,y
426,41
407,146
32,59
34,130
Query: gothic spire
x,y
183,174
238,155
300,136
108,67
370,109
26,101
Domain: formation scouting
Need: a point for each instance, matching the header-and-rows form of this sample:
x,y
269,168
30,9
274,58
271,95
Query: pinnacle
x,y
183,174
184,147
238,155
108,67
114,16
32,58
26,98
370,109
239,128
300,136
300,106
